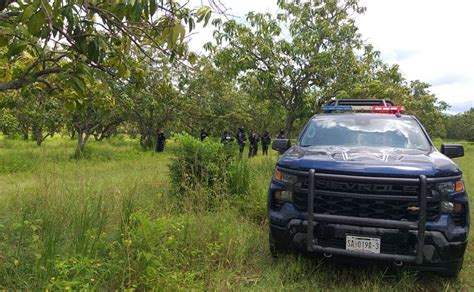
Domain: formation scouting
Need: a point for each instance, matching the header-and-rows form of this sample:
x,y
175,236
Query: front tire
x,y
453,269
276,248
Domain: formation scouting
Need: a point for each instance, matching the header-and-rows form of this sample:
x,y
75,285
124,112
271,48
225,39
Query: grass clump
x,y
207,165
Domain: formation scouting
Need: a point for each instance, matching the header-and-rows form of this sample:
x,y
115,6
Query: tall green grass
x,y
107,222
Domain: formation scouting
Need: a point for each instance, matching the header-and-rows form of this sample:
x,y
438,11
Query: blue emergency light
x,y
336,108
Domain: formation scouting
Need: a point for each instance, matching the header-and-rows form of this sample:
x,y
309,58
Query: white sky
x,y
431,40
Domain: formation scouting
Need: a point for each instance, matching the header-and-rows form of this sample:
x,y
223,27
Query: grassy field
x,y
108,222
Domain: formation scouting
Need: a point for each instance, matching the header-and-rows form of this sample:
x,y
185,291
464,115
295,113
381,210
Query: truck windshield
x,y
365,130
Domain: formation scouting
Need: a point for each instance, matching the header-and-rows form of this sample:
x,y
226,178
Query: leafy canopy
x,y
71,38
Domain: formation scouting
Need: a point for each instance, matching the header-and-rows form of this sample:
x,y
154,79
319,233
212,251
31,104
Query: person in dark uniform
x,y
203,135
160,141
226,138
266,140
241,140
253,144
281,134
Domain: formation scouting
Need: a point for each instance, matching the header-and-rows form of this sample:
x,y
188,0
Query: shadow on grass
x,y
300,269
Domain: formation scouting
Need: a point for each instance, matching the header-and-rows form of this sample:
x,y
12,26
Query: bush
x,y
199,164
207,166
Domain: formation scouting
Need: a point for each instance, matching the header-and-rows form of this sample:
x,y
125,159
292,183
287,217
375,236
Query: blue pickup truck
x,y
365,181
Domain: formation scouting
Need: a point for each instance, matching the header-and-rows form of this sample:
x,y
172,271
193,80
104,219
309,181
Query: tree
x,y
461,126
426,107
90,109
8,124
72,38
221,105
287,58
35,109
372,78
155,102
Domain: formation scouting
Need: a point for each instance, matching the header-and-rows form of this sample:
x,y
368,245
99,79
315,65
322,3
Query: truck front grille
x,y
360,198
366,207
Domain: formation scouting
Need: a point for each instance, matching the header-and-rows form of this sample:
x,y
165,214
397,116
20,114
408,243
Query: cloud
x,y
429,40
450,78
458,107
403,54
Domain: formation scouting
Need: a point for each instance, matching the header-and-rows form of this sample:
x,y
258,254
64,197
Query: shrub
x,y
207,166
198,164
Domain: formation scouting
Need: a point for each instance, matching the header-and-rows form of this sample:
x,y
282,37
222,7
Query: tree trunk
x,y
25,132
80,140
86,138
290,119
38,136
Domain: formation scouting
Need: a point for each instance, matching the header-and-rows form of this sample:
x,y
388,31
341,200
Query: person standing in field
x,y
203,135
160,141
266,140
281,134
253,144
226,138
241,140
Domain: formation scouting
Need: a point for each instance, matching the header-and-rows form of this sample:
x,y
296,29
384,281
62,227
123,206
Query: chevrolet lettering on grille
x,y
361,187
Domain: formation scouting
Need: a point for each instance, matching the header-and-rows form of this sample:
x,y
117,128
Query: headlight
x,y
445,187
448,207
449,187
284,196
284,177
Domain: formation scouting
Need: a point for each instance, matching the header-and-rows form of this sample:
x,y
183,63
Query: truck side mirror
x,y
281,145
452,150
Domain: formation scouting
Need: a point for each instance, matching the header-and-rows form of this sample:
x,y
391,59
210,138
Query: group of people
x,y
226,138
254,139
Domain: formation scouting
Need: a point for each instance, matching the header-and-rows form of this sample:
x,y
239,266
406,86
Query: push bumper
x,y
401,241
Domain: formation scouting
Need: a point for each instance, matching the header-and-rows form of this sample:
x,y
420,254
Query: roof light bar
x,y
373,109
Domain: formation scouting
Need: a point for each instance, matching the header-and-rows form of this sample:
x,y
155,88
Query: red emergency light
x,y
388,109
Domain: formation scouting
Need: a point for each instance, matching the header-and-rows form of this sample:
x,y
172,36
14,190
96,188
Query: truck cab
x,y
365,181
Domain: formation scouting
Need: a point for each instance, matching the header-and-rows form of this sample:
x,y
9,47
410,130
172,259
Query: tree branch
x,y
19,83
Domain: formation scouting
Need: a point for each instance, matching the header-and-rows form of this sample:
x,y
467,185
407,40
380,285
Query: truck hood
x,y
369,161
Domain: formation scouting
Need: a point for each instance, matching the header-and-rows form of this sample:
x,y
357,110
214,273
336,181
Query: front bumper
x,y
396,244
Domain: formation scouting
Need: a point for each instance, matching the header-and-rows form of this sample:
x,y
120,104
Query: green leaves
x,y
3,40
204,13
90,33
93,50
16,48
78,84
173,30
192,57
36,22
28,12
153,7
123,71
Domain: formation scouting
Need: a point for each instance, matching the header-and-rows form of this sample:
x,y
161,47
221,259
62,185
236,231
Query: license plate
x,y
363,244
